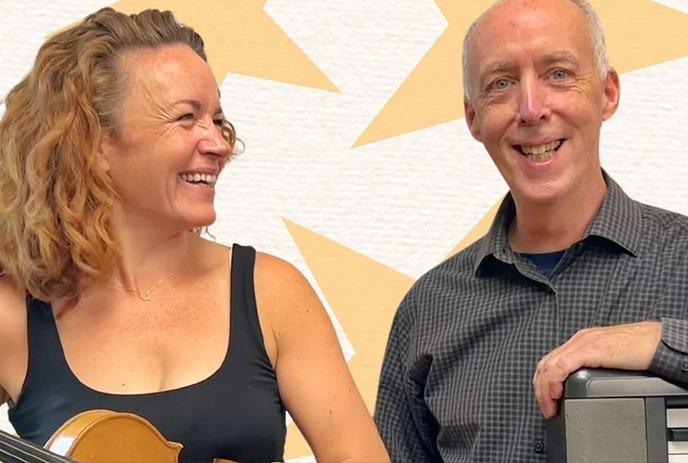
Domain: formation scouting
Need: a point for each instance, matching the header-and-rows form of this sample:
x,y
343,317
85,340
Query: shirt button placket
x,y
539,446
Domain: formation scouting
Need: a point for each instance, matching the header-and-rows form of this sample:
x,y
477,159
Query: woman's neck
x,y
148,250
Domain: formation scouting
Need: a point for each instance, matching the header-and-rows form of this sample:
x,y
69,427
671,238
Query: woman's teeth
x,y
208,179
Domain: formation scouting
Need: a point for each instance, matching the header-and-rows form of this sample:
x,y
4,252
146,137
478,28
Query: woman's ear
x,y
104,152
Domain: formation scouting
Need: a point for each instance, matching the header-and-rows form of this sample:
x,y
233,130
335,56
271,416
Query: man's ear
x,y
471,120
612,95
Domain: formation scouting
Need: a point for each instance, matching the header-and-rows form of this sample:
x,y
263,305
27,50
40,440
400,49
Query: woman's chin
x,y
199,221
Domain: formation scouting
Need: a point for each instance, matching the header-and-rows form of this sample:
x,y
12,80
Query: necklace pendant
x,y
145,296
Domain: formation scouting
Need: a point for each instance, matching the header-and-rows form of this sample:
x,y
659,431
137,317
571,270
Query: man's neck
x,y
554,226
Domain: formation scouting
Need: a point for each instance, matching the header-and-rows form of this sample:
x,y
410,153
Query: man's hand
x,y
626,347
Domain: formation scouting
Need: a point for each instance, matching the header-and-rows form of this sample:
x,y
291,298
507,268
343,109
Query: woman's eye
x,y
186,117
219,122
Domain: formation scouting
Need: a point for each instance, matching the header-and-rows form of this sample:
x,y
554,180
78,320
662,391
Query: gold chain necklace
x,y
146,295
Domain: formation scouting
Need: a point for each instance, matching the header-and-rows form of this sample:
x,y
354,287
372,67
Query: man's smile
x,y
540,153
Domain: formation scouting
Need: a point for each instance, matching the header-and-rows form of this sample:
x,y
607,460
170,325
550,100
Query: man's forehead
x,y
545,60
517,12
502,6
517,22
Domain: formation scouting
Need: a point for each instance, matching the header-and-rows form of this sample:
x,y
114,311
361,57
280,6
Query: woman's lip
x,y
201,171
202,188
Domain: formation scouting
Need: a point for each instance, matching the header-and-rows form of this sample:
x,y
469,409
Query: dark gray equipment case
x,y
613,416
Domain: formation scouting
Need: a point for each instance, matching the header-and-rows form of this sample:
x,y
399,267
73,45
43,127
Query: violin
x,y
96,436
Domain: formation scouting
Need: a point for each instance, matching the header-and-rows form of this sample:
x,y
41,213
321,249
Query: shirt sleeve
x,y
671,357
403,419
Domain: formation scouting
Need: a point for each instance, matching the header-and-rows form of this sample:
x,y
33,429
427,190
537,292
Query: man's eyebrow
x,y
498,67
559,56
495,68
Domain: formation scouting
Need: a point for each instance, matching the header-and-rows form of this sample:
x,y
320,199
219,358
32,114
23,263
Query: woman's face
x,y
169,148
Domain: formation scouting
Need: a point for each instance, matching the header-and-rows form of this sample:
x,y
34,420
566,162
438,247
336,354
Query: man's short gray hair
x,y
596,35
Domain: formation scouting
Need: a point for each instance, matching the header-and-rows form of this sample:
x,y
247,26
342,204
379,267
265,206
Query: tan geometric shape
x,y
642,33
433,93
363,294
240,37
478,231
639,33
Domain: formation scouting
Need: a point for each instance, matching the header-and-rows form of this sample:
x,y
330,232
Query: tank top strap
x,y
45,355
245,325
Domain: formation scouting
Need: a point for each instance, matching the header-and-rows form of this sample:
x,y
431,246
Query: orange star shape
x,y
240,37
364,295
433,93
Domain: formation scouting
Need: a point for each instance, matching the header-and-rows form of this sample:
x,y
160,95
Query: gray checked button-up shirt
x,y
456,379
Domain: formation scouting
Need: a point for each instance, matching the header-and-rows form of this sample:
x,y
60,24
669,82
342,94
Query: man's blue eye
x,y
501,84
560,74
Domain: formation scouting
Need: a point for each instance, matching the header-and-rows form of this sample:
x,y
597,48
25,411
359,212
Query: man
x,y
567,251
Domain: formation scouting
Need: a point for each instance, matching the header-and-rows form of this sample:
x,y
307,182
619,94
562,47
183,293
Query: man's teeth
x,y
541,157
540,149
541,153
208,179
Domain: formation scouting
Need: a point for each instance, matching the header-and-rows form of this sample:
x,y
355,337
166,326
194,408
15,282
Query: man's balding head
x,y
537,98
596,37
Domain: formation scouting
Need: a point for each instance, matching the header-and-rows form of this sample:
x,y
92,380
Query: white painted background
x,y
405,201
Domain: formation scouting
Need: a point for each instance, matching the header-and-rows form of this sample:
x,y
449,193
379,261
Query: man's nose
x,y
534,102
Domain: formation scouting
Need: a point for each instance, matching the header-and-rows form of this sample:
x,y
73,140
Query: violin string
x,y
37,458
38,453
14,453
14,457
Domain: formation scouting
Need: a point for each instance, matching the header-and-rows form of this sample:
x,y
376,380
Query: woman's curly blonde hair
x,y
55,201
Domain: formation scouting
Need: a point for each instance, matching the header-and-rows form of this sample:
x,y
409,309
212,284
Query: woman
x,y
109,152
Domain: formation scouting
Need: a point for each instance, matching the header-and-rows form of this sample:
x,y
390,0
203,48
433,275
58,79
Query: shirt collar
x,y
618,221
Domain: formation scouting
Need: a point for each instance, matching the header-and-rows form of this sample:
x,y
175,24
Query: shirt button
x,y
684,365
539,446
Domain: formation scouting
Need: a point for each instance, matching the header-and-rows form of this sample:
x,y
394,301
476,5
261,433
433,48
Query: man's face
x,y
537,100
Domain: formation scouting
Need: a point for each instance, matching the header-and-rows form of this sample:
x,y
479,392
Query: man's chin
x,y
540,192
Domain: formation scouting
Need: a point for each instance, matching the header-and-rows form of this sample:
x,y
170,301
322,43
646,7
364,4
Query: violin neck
x,y
16,450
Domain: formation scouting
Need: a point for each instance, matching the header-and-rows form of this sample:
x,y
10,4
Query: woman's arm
x,y
13,340
314,381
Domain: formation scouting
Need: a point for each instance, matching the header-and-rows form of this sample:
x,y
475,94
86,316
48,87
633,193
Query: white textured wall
x,y
405,201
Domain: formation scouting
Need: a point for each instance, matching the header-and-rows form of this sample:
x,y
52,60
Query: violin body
x,y
97,436
104,436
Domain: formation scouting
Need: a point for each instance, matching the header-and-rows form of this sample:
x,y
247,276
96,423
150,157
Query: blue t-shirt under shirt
x,y
545,262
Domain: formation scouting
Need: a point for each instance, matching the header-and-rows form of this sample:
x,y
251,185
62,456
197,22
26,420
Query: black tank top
x,y
236,413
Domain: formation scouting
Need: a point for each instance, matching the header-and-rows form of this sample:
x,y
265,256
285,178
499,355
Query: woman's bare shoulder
x,y
12,309
281,278
12,331
285,294
272,264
